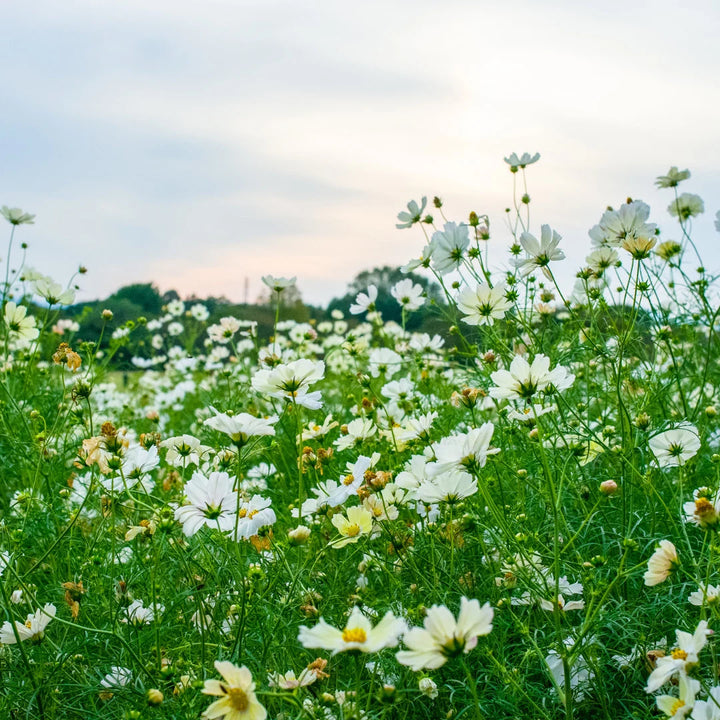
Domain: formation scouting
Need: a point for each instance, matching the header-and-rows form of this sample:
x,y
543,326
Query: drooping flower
x,y
443,637
679,707
236,693
32,629
254,514
184,450
358,634
661,563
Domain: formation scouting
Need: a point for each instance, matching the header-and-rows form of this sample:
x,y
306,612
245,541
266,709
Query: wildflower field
x,y
514,518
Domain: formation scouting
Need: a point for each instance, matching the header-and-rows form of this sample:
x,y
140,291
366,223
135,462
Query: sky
x,y
201,145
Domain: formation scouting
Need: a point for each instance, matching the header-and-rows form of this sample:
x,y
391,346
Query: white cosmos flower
x,y
235,693
465,451
239,428
289,681
408,294
708,709
365,302
253,515
117,677
626,223
705,595
184,450
358,429
523,380
290,381
384,361
224,330
413,214
448,247
358,634
53,292
443,637
137,614
278,284
539,253
32,629
19,322
15,216
686,206
683,656
525,159
212,502
484,304
675,447
450,487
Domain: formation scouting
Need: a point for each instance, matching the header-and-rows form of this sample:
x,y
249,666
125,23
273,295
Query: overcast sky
x,y
196,144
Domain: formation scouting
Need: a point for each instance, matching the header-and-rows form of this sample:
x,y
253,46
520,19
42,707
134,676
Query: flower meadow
x,y
516,517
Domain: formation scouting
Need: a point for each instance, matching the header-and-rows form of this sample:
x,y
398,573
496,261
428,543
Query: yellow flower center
x,y
253,513
352,530
678,654
675,707
28,624
357,635
238,699
348,480
242,512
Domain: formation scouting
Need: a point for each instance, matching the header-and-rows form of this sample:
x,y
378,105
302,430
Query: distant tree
x,y
144,295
